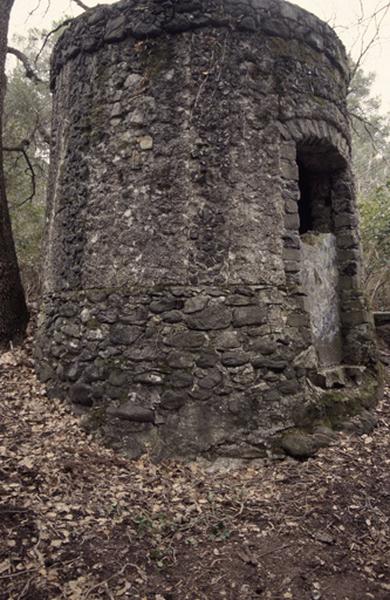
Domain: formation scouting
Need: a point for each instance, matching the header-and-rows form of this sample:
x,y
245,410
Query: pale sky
x,y
345,15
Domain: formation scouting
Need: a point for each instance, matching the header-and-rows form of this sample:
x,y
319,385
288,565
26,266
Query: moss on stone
x,y
155,57
298,443
92,324
94,419
339,404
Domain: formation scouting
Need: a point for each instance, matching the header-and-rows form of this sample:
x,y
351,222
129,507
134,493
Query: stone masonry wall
x,y
173,310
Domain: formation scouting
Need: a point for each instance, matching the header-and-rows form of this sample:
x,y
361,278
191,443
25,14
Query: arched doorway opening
x,y
320,166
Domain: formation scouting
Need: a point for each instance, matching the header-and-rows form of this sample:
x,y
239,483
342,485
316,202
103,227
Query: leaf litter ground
x,y
80,522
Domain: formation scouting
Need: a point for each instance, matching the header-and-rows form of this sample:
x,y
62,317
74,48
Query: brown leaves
x,y
82,521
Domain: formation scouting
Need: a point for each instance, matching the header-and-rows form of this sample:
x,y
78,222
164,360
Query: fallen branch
x,y
19,573
117,574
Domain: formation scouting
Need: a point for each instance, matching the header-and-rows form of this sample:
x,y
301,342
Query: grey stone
x,y
360,424
180,360
96,296
57,351
68,310
291,222
226,340
180,380
115,29
146,142
124,334
239,300
292,254
108,316
173,316
85,315
271,396
74,372
289,388
195,304
262,362
201,394
172,400
251,315
82,394
188,339
297,320
307,359
136,316
235,359
72,330
45,372
141,352
117,110
211,380
165,304
263,346
150,378
207,359
131,412
118,378
243,376
134,81
298,444
210,318
331,378
137,117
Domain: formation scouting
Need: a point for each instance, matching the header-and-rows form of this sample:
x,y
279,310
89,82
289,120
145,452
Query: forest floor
x,y
79,522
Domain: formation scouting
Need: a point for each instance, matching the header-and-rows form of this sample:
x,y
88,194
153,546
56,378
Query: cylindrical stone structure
x,y
202,271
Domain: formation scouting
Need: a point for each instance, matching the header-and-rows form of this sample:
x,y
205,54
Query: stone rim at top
x,y
142,19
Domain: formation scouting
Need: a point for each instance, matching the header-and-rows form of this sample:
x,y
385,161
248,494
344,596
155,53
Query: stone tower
x,y
202,278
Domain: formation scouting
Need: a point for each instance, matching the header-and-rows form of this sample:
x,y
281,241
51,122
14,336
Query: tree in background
x,y
27,125
371,135
375,225
371,160
13,311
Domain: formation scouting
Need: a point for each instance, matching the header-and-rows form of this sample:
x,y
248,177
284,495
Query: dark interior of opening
x,y
305,201
318,165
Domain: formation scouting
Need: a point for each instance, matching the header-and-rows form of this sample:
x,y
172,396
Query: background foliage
x,y
371,160
27,122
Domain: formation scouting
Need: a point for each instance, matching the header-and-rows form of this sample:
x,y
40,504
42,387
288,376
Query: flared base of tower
x,y
186,372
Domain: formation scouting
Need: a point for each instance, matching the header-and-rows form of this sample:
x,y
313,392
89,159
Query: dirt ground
x,y
79,522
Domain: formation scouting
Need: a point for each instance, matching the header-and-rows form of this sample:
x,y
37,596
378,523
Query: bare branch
x,y
34,10
368,125
22,148
60,26
377,19
378,11
30,72
43,132
81,4
48,36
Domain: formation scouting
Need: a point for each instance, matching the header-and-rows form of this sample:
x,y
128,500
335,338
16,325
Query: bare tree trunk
x,y
13,309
